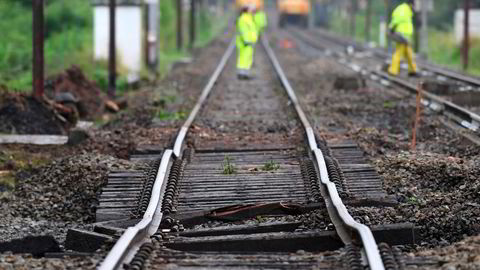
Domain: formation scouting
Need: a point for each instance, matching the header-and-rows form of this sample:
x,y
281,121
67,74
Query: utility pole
x,y
424,36
38,55
192,22
368,21
466,34
179,25
151,21
111,53
225,5
389,10
353,17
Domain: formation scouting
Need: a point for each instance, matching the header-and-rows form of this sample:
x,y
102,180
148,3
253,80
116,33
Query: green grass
x,y
205,32
165,115
444,51
227,166
68,40
342,26
271,166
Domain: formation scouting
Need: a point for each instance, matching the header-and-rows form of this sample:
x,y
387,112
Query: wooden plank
x,y
34,139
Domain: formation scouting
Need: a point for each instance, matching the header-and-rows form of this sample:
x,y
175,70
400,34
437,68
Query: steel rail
x,y
133,237
466,118
383,54
371,249
206,91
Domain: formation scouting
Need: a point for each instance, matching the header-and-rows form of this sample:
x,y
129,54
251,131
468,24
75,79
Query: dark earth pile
x,y
22,114
73,81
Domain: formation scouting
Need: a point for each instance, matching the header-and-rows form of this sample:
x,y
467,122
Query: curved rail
x,y
371,249
133,237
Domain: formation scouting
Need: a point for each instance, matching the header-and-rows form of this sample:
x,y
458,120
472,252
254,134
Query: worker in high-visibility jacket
x,y
260,19
246,38
401,30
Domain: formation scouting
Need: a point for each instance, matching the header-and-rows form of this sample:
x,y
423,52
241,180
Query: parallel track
x,y
135,241
463,117
382,55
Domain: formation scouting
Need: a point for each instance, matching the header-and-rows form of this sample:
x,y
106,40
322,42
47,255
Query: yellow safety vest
x,y
260,20
246,29
402,20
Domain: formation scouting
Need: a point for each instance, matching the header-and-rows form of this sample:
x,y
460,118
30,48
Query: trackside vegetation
x,y
69,40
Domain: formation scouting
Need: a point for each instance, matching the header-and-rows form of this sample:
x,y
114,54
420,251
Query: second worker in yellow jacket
x,y
246,38
401,27
260,19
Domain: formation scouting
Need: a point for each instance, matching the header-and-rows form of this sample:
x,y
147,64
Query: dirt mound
x,y
22,114
90,98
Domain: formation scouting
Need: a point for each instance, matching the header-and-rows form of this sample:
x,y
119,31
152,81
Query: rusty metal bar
x,y
38,43
466,34
111,52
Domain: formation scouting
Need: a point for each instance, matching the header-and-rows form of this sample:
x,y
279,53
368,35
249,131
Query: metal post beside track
x,y
193,24
179,24
111,52
38,43
466,34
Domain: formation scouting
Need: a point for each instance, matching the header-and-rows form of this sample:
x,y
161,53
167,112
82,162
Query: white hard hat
x,y
251,7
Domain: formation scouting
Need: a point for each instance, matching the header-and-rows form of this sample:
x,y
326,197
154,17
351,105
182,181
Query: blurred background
x,y
444,26
72,26
70,37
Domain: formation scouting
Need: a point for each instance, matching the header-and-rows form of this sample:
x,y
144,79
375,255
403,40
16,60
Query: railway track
x,y
462,81
248,185
437,95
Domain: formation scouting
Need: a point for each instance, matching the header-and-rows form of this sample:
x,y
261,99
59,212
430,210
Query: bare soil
x,y
24,114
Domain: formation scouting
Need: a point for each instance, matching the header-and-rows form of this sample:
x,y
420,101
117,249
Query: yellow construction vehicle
x,y
258,3
293,11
